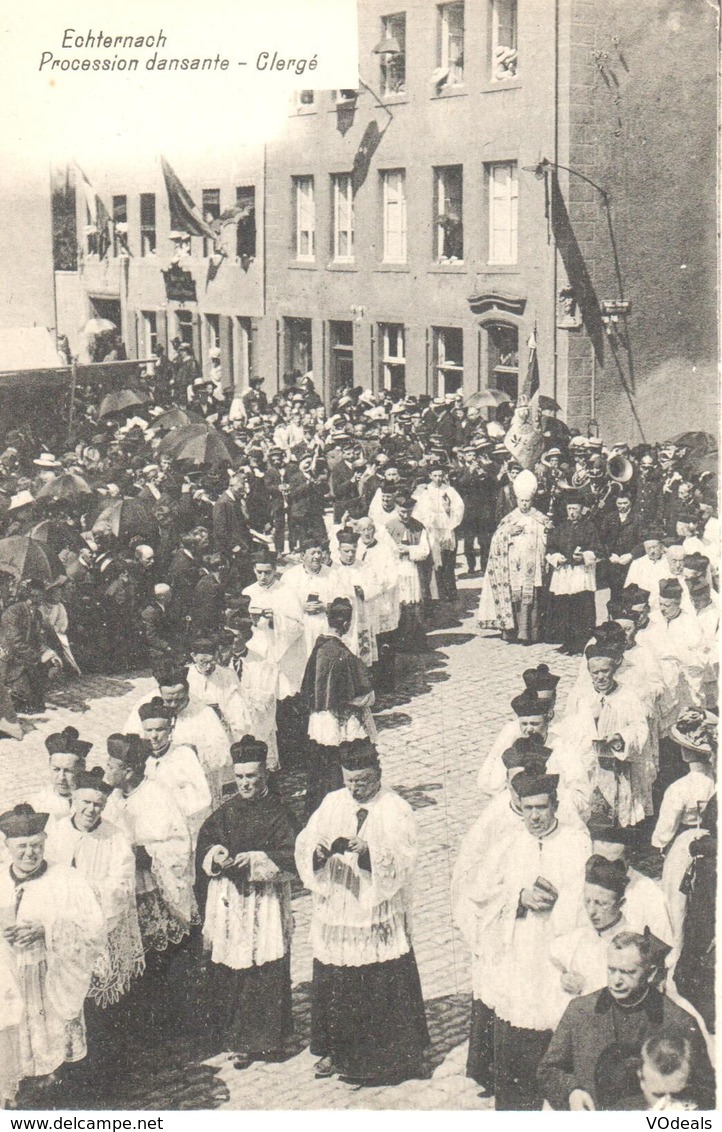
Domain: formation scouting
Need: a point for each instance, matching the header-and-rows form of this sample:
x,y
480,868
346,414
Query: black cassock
x,y
249,1008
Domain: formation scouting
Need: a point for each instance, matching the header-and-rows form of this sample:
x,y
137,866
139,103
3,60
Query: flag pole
x,y
73,384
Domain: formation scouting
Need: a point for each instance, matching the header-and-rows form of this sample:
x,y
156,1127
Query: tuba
x,y
620,469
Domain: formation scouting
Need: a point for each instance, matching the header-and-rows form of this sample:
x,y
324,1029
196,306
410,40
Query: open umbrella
x,y
119,401
175,418
487,398
127,517
97,326
548,404
24,558
196,443
68,486
696,443
56,536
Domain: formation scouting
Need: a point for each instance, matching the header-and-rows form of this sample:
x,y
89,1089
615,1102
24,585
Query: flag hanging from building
x,y
185,216
99,217
531,384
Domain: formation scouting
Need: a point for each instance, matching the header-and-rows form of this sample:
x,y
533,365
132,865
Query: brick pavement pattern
x,y
434,733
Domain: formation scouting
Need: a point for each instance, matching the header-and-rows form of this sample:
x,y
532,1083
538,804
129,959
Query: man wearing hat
x,y
357,856
645,904
476,914
536,875
675,638
67,753
624,1013
412,542
356,580
705,605
338,693
573,549
581,954
101,853
306,504
440,509
610,733
621,534
195,724
511,593
244,866
174,766
55,931
25,641
684,804
533,713
158,834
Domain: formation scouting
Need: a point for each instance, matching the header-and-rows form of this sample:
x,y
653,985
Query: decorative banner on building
x,y
180,286
185,216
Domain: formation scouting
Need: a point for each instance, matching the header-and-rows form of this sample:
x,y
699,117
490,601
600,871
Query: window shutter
x,y
226,329
196,327
161,323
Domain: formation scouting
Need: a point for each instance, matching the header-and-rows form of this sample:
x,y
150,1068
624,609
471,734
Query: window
x,y
394,206
306,98
184,327
344,97
503,188
211,205
393,358
449,218
305,218
147,223
246,225
448,360
503,353
504,61
243,353
393,63
450,54
149,330
341,341
120,225
213,332
298,348
342,186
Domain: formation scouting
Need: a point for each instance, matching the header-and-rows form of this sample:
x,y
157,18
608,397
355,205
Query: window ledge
x,y
449,268
402,267
395,99
303,265
500,269
450,92
303,112
502,84
339,265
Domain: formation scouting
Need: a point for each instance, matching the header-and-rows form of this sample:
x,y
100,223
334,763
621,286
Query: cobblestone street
x,y
434,734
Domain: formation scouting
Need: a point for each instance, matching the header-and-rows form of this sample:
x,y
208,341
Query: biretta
x,y
22,821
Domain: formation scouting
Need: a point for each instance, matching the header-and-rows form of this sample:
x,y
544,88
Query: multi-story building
x,y
156,283
504,169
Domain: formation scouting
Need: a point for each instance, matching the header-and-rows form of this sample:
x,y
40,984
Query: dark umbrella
x,y
68,486
696,443
119,401
175,418
555,431
548,404
57,536
127,517
23,557
196,443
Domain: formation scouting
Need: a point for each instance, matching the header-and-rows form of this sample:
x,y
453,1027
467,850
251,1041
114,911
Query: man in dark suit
x,y
23,643
344,480
276,478
162,628
231,531
184,572
306,503
208,605
621,535
626,1012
